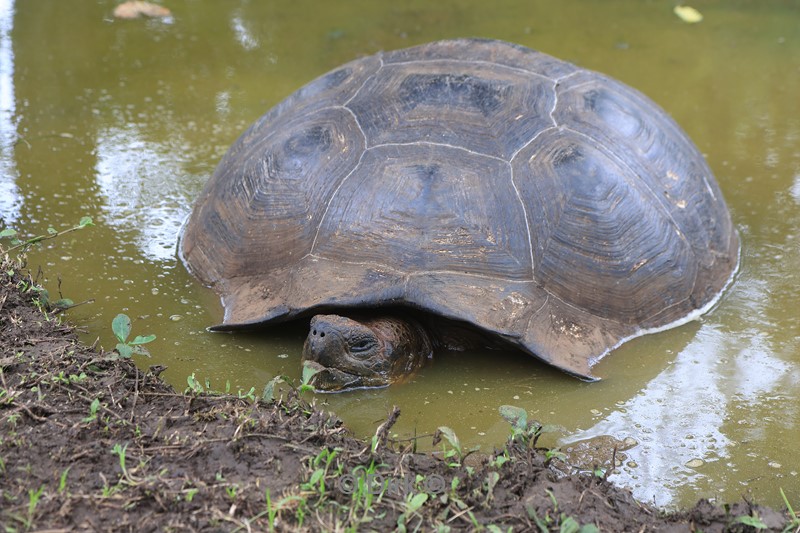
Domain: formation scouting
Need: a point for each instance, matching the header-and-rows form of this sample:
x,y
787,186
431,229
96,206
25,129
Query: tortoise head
x,y
351,353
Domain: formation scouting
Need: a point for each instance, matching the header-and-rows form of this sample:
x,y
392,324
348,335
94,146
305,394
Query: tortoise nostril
x,y
322,334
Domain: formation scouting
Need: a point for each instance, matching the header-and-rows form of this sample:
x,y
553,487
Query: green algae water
x,y
125,120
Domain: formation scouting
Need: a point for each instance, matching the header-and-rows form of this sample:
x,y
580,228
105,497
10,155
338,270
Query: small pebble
x,y
695,463
630,442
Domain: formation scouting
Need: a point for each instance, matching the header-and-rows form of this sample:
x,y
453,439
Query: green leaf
x,y
416,502
308,373
141,350
85,221
451,437
316,476
752,521
121,326
194,385
63,303
125,350
95,405
44,295
792,515
268,394
8,232
569,525
139,339
516,416
555,453
589,528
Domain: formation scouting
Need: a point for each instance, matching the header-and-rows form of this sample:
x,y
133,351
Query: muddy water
x,y
125,120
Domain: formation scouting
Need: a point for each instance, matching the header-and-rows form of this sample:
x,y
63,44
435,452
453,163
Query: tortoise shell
x,y
480,181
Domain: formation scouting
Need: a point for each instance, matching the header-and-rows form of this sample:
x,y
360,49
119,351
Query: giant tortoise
x,y
457,193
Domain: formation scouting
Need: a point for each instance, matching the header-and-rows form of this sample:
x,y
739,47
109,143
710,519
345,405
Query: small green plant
x,y
570,525
491,481
12,419
33,501
320,466
554,453
109,491
365,488
453,497
750,520
272,512
71,378
231,491
93,407
268,394
454,454
522,430
412,504
308,373
121,452
249,395
39,295
194,385
62,481
274,509
794,521
21,246
499,460
565,524
121,325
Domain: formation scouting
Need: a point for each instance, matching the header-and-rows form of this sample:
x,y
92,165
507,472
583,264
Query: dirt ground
x,y
89,442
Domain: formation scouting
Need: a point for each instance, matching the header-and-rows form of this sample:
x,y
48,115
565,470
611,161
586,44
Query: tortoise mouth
x,y
329,379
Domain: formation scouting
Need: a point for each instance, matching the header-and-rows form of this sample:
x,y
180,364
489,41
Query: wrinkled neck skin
x,y
408,344
361,352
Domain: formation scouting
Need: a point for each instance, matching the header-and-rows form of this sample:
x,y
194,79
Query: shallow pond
x,y
125,121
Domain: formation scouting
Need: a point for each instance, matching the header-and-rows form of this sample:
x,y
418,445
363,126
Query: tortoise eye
x,y
361,346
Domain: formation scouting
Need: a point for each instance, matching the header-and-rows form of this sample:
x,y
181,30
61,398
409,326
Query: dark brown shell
x,y
478,180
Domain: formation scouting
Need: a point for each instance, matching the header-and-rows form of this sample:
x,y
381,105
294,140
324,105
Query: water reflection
x,y
10,198
143,190
688,416
246,38
795,189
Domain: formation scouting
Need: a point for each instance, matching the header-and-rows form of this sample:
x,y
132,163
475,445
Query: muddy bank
x,y
90,442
